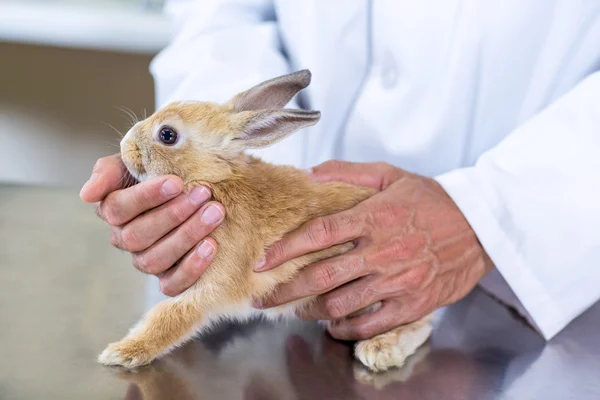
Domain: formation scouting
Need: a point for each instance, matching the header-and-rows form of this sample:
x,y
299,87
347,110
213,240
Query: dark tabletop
x,y
65,293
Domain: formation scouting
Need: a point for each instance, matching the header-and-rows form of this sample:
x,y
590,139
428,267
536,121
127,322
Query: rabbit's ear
x,y
263,128
274,93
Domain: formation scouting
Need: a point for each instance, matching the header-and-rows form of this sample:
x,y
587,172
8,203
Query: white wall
x,y
53,103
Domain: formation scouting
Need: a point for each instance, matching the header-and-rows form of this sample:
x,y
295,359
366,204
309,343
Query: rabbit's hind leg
x,y
391,349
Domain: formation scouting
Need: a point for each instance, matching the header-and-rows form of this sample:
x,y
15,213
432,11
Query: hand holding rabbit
x,y
414,253
157,222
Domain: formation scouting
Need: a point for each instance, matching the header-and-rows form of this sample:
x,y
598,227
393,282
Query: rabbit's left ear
x,y
274,93
263,128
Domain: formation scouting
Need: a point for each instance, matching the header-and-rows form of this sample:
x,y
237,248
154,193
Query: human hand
x,y
415,252
157,222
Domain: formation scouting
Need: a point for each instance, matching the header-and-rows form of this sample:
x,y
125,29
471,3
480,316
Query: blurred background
x,y
65,67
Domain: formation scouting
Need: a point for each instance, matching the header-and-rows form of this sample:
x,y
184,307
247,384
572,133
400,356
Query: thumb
x,y
109,174
377,175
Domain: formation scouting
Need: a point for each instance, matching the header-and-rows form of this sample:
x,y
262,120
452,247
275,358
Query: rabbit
x,y
204,143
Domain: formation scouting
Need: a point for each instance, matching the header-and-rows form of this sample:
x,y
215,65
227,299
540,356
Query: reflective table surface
x,y
65,293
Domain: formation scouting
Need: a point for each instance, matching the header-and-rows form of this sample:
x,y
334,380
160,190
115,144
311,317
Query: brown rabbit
x,y
204,143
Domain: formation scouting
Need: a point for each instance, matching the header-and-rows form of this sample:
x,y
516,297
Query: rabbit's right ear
x,y
272,94
257,129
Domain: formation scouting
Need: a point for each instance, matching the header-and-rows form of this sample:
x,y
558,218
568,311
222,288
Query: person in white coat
x,y
479,122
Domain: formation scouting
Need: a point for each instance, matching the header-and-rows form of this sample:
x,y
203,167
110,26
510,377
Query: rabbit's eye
x,y
167,135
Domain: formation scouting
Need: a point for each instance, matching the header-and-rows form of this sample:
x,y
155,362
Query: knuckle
x,y
175,214
193,233
130,239
353,222
322,232
323,278
141,263
359,263
112,214
115,237
167,288
400,249
416,278
98,210
334,308
335,165
381,165
384,167
388,215
109,216
394,252
368,295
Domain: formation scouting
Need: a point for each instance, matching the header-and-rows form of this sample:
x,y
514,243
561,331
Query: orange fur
x,y
263,203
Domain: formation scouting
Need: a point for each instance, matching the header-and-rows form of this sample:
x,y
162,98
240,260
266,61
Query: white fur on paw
x,y
128,354
379,354
393,348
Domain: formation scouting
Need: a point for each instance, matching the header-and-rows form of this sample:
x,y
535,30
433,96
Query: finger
x,y
318,278
389,316
121,206
179,278
317,234
374,175
343,301
148,228
163,254
109,174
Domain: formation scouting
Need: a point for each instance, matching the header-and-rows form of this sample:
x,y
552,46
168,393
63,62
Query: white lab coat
x,y
497,100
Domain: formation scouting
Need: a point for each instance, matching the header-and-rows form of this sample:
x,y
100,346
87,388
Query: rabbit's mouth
x,y
129,180
132,158
134,166
135,173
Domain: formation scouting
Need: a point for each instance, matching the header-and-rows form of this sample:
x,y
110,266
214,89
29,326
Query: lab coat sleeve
x,y
220,48
534,203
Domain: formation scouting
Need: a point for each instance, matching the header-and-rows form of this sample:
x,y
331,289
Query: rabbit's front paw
x,y
127,353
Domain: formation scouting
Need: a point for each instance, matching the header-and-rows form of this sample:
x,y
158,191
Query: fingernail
x,y
260,264
199,195
212,215
170,187
258,303
205,249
